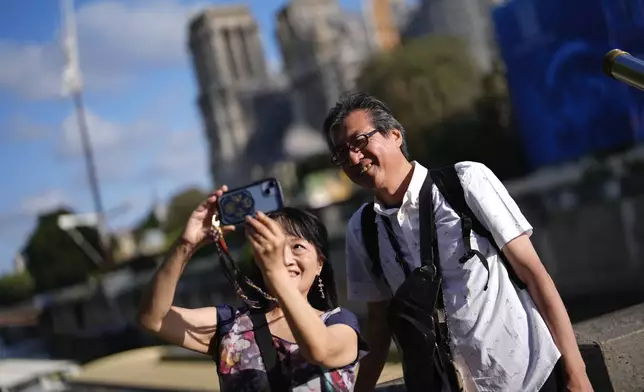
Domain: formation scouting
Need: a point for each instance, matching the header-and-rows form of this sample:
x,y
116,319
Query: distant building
x,y
260,125
125,247
323,48
147,239
384,20
248,114
19,263
230,67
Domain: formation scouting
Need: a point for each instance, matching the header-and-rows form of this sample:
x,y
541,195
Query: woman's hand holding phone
x,y
198,230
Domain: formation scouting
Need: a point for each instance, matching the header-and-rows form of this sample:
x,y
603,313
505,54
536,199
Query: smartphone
x,y
264,195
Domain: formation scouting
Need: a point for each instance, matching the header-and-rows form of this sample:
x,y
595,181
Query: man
x,y
501,340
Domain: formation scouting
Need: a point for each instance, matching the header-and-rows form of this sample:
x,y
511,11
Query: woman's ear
x,y
320,266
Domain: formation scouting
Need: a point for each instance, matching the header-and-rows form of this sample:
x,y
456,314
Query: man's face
x,y
365,166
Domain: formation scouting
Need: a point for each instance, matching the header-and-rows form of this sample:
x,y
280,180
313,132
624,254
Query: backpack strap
x,y
427,226
428,248
400,258
448,183
264,339
370,241
370,238
429,256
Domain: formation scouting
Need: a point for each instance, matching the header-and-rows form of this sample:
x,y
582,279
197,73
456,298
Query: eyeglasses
x,y
341,154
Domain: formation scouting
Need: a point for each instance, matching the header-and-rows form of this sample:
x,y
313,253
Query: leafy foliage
x,y
451,111
181,206
423,82
54,260
15,288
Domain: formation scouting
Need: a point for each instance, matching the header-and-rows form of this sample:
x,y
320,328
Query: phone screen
x,y
265,196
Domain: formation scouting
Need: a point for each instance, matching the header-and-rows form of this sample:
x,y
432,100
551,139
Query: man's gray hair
x,y
381,117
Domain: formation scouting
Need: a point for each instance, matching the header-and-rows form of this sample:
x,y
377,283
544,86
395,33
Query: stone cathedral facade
x,y
259,124
230,68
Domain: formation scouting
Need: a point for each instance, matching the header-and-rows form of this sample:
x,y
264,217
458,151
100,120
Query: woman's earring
x,y
321,286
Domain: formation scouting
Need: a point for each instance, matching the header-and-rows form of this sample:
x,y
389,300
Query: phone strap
x,y
240,282
264,339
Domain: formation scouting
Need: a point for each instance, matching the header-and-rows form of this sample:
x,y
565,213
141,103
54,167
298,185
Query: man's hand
x,y
198,228
578,382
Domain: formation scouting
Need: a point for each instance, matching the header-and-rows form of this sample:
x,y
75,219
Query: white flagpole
x,y
73,85
72,78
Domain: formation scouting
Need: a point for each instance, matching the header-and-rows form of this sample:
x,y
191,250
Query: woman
x,y
317,348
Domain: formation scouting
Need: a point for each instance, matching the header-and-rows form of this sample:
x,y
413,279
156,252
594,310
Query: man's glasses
x,y
341,154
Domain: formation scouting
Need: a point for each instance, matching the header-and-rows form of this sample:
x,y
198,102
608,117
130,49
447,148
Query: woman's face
x,y
302,262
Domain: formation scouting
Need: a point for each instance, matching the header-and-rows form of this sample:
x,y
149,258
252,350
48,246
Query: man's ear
x,y
397,137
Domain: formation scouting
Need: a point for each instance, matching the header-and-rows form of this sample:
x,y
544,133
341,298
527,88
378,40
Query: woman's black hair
x,y
306,225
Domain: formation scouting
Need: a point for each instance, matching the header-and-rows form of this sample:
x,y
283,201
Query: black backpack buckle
x,y
430,269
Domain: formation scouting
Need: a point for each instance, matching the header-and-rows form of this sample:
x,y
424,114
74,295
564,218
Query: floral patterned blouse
x,y
240,365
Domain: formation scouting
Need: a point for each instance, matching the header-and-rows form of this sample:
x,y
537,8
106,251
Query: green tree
x,y
15,288
501,142
450,110
423,82
54,260
180,207
494,107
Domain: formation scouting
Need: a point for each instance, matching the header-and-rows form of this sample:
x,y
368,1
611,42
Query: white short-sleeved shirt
x,y
498,336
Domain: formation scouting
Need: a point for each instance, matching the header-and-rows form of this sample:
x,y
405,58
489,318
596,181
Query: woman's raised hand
x,y
198,230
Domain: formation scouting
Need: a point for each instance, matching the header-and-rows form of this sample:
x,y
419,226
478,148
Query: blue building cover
x,y
553,50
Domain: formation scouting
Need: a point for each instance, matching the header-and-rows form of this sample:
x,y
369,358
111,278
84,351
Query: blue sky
x,y
139,94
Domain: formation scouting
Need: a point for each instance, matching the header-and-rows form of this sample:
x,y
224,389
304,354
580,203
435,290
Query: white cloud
x,y
30,69
116,39
116,147
102,134
45,201
108,136
141,150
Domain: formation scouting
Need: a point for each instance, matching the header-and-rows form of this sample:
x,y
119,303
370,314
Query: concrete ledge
x,y
390,379
397,385
146,370
613,348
